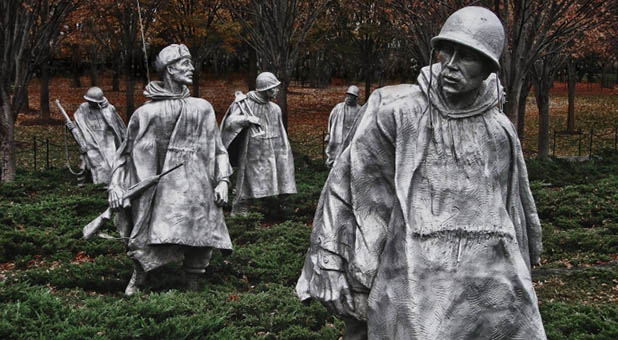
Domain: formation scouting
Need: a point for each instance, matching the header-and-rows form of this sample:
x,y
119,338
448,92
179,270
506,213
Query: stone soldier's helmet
x,y
353,90
477,28
171,54
266,81
95,95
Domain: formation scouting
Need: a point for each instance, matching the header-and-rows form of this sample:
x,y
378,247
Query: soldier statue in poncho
x,y
254,134
179,218
102,132
340,122
426,228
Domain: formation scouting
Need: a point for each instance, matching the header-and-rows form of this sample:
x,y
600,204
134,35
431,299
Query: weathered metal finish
x,y
340,122
103,132
180,217
265,161
426,227
477,28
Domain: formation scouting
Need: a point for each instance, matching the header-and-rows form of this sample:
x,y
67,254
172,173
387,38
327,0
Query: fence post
x,y
47,153
590,147
579,147
553,151
34,150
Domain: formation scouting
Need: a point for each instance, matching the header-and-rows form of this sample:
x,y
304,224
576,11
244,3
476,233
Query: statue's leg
x,y
82,178
240,207
354,329
137,279
194,265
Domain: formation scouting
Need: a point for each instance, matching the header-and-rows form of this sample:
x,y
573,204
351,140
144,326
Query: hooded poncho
x,y
179,210
426,226
265,162
103,131
340,122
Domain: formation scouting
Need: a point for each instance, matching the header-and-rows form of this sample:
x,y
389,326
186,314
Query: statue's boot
x,y
137,280
192,281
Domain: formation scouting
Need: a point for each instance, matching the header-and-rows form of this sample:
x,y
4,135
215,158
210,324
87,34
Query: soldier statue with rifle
x,y
99,131
180,217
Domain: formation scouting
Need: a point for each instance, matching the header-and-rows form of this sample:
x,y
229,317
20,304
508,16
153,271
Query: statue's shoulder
x,y
200,103
406,99
82,108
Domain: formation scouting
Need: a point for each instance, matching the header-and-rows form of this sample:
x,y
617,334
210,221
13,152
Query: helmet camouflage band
x,y
266,81
477,28
95,95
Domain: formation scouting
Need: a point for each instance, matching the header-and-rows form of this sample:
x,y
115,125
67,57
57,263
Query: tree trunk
x,y
44,87
511,107
367,82
196,78
75,66
93,66
25,106
130,87
571,86
541,93
7,140
116,74
252,68
282,100
129,84
521,109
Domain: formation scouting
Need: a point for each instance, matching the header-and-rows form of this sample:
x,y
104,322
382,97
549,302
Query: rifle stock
x,y
134,191
96,224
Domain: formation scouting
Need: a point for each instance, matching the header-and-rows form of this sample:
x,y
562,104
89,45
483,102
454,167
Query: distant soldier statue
x,y
340,122
103,131
254,134
181,216
427,228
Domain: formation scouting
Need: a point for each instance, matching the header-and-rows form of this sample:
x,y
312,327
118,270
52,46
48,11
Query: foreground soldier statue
x,y
427,228
103,131
180,217
340,122
254,134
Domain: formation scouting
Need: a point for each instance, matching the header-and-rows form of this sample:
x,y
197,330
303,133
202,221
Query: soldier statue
x,y
427,228
179,218
340,122
254,134
102,132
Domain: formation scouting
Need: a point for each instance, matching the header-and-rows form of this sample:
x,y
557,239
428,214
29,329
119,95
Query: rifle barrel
x,y
64,113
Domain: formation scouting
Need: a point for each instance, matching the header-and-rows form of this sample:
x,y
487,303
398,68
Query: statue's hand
x,y
254,120
115,198
221,193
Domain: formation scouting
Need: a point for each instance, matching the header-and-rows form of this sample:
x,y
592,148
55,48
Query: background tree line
x,y
310,42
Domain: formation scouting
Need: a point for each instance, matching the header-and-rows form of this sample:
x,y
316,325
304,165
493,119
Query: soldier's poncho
x,y
180,210
426,226
265,163
340,122
103,131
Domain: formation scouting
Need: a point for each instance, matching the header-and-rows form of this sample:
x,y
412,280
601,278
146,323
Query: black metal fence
x,y
586,142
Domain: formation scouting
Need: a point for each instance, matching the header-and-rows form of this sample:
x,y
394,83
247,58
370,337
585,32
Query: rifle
x,y
77,135
240,98
134,191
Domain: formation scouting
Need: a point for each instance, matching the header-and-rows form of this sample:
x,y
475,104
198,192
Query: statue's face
x,y
182,71
350,99
272,93
463,69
